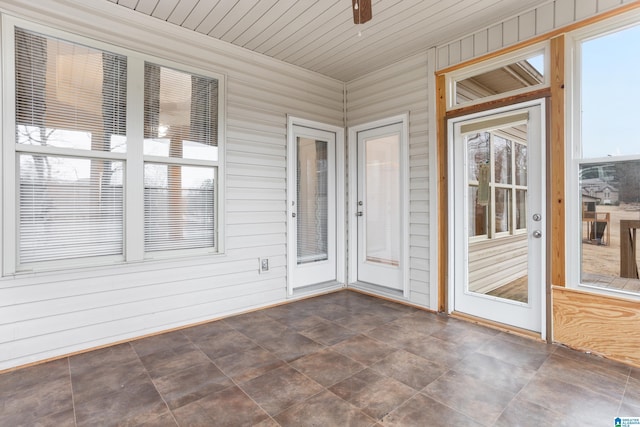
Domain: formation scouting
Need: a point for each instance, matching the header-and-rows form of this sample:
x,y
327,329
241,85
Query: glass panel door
x,y
498,223
380,206
313,207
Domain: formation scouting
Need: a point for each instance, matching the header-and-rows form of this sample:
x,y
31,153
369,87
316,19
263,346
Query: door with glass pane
x,y
379,206
498,216
313,207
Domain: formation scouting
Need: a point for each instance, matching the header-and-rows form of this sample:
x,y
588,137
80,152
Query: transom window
x,y
88,176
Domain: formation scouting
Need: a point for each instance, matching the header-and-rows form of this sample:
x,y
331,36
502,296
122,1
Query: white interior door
x,y
380,206
498,215
312,199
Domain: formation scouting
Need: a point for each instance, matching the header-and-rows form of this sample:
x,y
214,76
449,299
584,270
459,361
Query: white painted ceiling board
x,y
164,9
320,35
146,6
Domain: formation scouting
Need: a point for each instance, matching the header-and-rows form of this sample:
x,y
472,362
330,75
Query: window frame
x,y
453,77
134,159
574,159
492,234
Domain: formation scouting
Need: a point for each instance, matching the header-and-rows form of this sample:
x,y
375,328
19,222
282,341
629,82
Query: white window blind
x,y
180,126
70,111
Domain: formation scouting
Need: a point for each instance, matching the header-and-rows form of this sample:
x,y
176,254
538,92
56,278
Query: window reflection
x,y
610,211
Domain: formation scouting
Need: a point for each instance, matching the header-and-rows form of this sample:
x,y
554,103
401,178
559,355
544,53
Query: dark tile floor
x,y
342,359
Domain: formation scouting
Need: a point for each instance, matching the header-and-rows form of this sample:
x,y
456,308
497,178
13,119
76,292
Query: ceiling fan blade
x,y
363,13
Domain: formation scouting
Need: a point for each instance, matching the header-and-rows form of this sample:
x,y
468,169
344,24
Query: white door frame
x,y
291,196
352,221
453,215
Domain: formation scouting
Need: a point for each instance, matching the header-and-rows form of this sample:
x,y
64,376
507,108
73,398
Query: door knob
x,y
537,234
359,213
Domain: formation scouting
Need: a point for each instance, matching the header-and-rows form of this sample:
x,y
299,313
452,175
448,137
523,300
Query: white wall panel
x,y
545,18
565,12
395,90
604,5
44,315
526,25
466,48
510,31
480,43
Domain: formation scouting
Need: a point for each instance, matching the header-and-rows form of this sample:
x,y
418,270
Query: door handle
x,y
537,234
359,213
293,214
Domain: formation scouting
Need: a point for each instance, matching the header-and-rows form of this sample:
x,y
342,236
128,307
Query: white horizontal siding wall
x,y
541,20
49,314
401,88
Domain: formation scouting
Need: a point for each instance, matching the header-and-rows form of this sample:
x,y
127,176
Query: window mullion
x,y
8,155
134,187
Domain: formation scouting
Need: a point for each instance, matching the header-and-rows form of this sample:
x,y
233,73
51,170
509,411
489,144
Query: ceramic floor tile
x,y
363,349
591,377
328,333
518,354
375,394
183,387
230,407
248,364
573,402
23,405
525,414
469,396
383,364
33,377
208,329
494,372
280,389
247,320
443,353
327,367
172,360
158,343
409,369
224,343
291,345
91,385
362,322
632,394
104,358
593,361
130,406
324,409
396,335
423,411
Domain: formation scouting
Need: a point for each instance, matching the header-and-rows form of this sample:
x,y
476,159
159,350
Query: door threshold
x,y
377,289
317,289
498,326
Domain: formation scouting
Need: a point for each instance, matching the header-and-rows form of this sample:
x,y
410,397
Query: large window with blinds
x,y
115,157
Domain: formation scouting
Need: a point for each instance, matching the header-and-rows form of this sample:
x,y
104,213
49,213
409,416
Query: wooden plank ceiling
x,y
320,35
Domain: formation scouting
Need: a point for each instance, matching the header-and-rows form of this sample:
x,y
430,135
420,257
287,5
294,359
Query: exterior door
x,y
380,206
498,215
313,207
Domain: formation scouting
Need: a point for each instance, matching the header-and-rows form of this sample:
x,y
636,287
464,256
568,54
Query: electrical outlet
x,y
264,265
